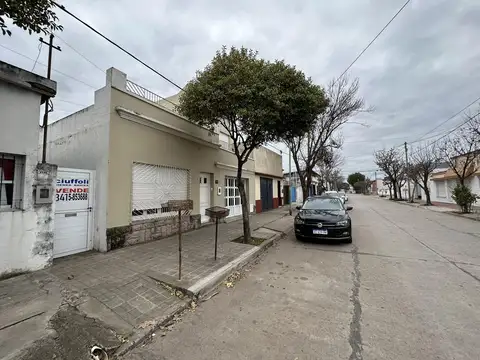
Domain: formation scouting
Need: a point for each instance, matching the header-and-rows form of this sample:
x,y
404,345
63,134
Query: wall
x,y
135,142
20,110
27,235
268,162
80,141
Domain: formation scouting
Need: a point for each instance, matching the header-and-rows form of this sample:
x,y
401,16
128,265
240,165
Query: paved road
x,y
407,288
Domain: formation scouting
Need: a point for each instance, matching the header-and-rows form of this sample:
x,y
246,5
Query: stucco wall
x,y
19,116
268,162
80,141
24,231
26,236
133,142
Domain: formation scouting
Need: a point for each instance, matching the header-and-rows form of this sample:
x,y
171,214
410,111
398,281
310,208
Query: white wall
x,y
26,234
81,141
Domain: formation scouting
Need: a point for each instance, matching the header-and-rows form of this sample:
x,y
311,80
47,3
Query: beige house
x,y
143,154
444,180
268,179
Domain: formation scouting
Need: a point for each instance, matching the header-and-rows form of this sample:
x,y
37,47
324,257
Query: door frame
x,y
92,206
210,194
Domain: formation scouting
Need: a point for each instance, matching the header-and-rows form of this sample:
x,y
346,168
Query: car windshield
x,y
323,204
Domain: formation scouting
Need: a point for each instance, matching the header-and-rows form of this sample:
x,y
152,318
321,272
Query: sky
x,y
423,69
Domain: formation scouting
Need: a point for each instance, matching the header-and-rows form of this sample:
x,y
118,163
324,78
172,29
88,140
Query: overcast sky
x,y
423,69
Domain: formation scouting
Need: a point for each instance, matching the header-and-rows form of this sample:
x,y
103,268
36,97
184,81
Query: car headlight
x,y
343,223
299,221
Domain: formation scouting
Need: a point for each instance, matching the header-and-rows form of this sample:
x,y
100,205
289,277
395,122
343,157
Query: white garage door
x,y
73,212
153,186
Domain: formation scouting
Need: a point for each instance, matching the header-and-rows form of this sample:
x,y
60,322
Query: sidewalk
x,y
450,209
117,297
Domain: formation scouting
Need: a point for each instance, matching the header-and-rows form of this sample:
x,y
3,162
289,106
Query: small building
x,y
268,179
26,187
444,179
141,153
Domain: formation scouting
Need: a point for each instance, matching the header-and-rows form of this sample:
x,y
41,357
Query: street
x,y
407,288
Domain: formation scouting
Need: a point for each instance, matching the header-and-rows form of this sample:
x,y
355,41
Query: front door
x,y
266,193
204,196
73,212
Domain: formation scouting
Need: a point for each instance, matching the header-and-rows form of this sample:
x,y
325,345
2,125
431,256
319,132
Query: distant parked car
x,y
335,194
344,195
323,217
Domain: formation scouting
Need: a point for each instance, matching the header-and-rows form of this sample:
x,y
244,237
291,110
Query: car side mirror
x,y
298,207
349,208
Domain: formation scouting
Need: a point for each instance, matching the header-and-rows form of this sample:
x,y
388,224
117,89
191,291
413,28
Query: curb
x,y
139,336
198,290
210,282
419,206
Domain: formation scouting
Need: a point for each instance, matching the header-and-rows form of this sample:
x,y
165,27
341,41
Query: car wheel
x,y
299,238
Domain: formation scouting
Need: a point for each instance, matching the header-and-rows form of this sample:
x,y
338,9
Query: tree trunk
x,y
394,185
245,212
428,201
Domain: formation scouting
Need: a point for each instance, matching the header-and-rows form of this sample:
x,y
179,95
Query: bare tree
x,y
423,160
309,149
473,125
461,151
391,162
328,168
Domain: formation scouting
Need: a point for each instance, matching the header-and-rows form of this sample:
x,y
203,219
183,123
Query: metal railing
x,y
142,92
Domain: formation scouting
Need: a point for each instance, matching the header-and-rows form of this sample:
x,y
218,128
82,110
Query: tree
x,y
355,177
464,197
328,168
309,148
392,164
254,101
31,15
461,151
361,187
423,161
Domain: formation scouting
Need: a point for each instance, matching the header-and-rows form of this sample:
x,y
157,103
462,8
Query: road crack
x,y
355,338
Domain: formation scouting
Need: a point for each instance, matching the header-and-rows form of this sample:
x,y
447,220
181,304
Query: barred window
x,y
11,181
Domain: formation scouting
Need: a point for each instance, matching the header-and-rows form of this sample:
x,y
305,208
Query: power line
x,y
445,135
69,102
79,53
38,55
375,38
57,71
118,46
450,118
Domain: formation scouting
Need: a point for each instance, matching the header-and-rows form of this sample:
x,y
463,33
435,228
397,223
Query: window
x,y
440,185
11,181
153,186
232,194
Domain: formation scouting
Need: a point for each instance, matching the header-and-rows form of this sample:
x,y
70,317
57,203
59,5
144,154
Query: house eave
x,y
145,120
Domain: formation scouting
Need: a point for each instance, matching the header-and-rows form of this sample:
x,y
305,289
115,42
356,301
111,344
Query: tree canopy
x,y
253,100
32,15
355,177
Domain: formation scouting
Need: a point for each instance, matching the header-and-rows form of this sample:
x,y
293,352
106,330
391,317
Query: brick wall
x,y
141,231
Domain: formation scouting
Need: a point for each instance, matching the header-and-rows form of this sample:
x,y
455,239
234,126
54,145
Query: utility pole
x,y
47,100
406,165
289,181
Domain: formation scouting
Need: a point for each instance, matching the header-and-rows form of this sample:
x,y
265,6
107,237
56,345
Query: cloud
x,y
420,71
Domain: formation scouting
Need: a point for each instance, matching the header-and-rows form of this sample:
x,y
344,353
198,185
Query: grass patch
x,y
253,241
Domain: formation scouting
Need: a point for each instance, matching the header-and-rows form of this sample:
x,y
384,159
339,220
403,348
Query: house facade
x,y
443,180
268,179
143,154
26,187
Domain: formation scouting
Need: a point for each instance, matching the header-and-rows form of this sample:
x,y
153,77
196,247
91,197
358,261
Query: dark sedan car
x,y
324,217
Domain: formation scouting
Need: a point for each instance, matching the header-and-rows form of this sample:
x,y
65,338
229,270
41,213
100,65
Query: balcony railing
x,y
144,93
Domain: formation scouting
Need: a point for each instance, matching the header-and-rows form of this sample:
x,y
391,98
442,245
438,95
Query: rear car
x,y
323,217
335,194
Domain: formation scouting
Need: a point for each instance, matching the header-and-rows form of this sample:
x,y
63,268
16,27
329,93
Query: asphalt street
x,y
407,288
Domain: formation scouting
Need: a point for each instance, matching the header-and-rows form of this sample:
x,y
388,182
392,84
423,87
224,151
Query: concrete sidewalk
x,y
451,209
116,299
